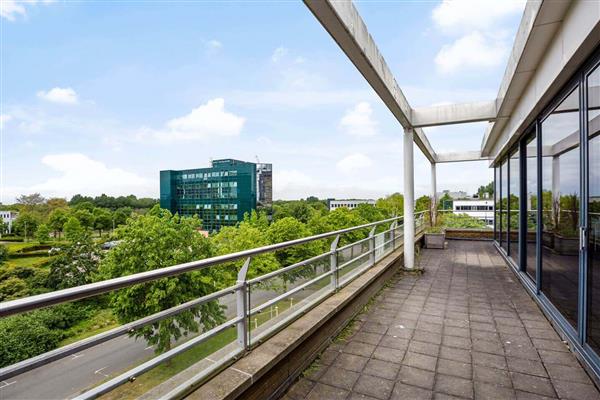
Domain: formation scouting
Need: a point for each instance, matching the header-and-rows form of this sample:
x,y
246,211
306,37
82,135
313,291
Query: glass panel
x,y
593,117
503,205
560,250
530,176
497,204
513,205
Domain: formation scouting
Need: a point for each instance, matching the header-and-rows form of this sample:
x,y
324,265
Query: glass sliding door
x,y
530,175
504,205
513,206
497,204
593,220
561,201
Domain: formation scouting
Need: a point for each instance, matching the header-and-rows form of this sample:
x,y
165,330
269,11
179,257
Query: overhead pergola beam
x,y
454,114
343,22
461,156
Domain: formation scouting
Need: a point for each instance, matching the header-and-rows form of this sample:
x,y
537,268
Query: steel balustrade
x,y
243,306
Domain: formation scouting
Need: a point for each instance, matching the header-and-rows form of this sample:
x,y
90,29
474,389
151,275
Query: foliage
x,y
26,223
423,203
392,205
73,229
158,240
30,200
450,220
114,203
486,189
103,220
369,213
75,264
42,234
57,219
445,202
3,254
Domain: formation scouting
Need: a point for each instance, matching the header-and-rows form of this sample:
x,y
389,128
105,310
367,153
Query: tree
x,y
76,263
445,202
392,205
369,212
56,203
287,229
85,217
42,234
120,215
30,200
103,220
25,336
73,229
488,190
158,240
423,203
26,224
57,219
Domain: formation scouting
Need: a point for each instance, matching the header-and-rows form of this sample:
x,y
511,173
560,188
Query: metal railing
x,y
340,265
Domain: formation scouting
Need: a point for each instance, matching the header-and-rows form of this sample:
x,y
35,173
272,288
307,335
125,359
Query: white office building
x,y
349,203
476,208
8,217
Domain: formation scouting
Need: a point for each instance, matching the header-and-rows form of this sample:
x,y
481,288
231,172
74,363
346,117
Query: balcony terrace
x,y
466,328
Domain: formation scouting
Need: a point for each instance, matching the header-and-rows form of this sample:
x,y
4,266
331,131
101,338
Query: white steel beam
x,y
345,25
454,114
460,157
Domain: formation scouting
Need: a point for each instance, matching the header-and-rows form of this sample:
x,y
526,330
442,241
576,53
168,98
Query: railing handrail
x,y
18,306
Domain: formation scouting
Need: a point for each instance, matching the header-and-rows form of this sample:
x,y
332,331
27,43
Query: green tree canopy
x,y
158,240
75,264
73,229
392,205
57,219
42,233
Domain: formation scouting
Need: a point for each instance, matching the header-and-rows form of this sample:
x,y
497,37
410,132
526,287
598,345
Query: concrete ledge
x,y
269,369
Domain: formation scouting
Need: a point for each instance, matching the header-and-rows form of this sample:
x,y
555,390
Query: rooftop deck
x,y
464,329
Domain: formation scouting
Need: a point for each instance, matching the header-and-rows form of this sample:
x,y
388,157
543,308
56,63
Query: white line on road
x,y
148,348
74,356
99,371
4,384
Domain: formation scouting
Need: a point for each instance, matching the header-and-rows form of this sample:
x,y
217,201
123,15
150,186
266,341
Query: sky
x,y
99,96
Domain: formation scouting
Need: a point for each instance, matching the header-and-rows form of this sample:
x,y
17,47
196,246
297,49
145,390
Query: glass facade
x,y
513,206
551,179
219,196
530,176
593,207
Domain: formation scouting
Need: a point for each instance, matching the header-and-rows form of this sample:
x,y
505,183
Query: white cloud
x,y
79,173
207,121
214,44
11,9
358,121
279,53
353,162
471,51
4,118
467,15
59,95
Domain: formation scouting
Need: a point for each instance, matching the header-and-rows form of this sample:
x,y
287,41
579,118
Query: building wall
x,y
219,196
350,203
575,38
9,218
480,209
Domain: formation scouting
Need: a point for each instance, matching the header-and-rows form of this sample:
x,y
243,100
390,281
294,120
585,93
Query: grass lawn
x,y
102,321
28,261
163,372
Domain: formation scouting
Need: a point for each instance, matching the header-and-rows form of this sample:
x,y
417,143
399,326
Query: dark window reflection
x,y
560,200
593,116
530,176
513,204
497,204
504,205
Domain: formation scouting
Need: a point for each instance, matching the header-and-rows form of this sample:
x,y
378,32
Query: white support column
x,y
409,200
433,192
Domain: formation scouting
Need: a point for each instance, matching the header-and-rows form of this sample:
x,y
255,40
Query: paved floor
x,y
464,329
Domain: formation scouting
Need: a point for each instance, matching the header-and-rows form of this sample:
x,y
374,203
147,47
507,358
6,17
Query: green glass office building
x,y
219,195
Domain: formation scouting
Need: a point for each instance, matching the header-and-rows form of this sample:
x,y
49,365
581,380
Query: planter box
x,y
435,240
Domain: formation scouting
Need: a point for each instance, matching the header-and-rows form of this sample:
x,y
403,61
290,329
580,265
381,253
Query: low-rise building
x,y
476,208
348,203
8,217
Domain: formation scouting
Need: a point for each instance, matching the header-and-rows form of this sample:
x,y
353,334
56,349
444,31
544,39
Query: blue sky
x,y
99,96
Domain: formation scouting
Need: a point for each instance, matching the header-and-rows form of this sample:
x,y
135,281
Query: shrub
x,y
25,336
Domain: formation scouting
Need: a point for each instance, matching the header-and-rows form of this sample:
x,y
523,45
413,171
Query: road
x,y
69,376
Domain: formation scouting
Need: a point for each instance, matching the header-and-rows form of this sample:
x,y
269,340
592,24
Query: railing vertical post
x,y
393,234
333,263
372,246
242,306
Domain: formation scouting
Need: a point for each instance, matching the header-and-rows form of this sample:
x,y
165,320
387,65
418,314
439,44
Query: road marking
x,y
74,356
99,371
148,348
4,384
